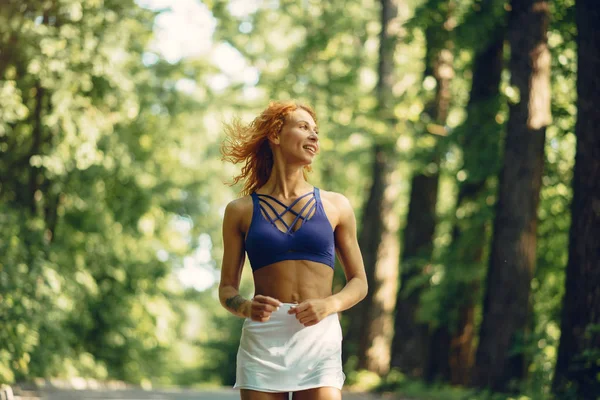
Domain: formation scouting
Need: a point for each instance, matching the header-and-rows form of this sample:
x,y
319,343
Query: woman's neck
x,y
286,183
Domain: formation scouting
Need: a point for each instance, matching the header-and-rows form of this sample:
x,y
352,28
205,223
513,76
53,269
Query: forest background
x,y
450,125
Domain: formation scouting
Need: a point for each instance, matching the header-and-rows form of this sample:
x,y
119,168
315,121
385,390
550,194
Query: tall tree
x,y
499,360
577,368
378,237
411,337
80,278
451,353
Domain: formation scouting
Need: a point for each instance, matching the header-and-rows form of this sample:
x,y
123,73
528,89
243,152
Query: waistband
x,y
282,314
283,309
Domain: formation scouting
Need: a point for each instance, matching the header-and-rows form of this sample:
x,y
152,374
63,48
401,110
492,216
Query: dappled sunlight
x,y
451,134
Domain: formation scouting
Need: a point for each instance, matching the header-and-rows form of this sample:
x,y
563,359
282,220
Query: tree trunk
x,y
379,244
512,261
452,355
378,239
411,338
410,343
577,371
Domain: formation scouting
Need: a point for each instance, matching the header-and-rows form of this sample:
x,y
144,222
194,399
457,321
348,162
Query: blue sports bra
x,y
267,244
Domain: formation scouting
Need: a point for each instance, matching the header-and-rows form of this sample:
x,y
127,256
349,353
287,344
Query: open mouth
x,y
311,149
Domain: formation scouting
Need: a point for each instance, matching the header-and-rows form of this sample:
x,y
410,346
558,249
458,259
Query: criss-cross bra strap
x,y
279,216
301,213
287,208
280,203
265,212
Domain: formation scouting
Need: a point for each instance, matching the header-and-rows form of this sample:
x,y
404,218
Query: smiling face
x,y
298,141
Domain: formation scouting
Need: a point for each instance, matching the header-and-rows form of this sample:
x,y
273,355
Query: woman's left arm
x,y
310,312
349,254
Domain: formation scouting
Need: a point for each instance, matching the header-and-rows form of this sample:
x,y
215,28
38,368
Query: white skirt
x,y
282,355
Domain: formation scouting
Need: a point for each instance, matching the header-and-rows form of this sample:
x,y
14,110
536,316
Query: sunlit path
x,y
133,394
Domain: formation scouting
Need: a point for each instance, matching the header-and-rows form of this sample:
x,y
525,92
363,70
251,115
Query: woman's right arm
x,y
260,307
233,262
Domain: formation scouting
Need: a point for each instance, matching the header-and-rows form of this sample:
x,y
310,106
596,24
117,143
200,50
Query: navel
x,y
295,297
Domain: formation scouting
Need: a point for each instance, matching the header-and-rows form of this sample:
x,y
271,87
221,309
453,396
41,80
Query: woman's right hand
x,y
260,308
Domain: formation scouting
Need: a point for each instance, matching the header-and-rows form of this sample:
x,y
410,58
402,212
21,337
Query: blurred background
x,y
450,126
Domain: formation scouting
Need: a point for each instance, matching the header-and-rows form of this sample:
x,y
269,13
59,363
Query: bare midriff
x,y
294,281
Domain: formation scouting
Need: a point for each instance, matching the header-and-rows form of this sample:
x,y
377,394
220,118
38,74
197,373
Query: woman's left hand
x,y
310,312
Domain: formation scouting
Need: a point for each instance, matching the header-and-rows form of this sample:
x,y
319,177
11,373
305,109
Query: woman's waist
x,y
294,282
282,320
292,297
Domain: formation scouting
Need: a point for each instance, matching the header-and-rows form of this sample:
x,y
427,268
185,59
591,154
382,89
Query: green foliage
x,y
221,349
90,193
398,383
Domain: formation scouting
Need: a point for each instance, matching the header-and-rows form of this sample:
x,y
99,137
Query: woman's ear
x,y
274,138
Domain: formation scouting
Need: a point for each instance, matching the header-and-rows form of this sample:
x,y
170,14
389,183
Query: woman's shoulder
x,y
338,200
239,207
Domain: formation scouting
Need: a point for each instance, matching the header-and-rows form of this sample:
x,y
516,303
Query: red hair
x,y
250,144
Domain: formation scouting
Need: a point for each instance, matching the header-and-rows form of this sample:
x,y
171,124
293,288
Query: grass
x,y
407,388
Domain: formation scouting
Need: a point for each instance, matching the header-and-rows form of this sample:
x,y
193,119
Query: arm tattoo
x,y
235,302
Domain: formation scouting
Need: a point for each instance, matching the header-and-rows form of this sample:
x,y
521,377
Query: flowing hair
x,y
249,144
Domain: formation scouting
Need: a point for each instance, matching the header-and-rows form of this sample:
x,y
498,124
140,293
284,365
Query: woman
x,y
291,339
